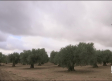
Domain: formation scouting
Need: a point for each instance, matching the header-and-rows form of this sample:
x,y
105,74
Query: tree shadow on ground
x,y
99,67
35,68
77,71
38,67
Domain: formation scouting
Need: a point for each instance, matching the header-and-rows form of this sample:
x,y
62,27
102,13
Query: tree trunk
x,y
13,65
59,65
42,62
71,68
0,64
95,65
55,63
39,64
32,66
24,64
104,64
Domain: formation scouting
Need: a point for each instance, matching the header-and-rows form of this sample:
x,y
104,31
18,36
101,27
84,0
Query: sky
x,y
54,24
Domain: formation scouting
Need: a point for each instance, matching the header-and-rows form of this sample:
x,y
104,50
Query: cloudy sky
x,y
54,24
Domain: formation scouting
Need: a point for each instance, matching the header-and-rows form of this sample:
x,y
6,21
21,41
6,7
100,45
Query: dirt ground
x,y
51,72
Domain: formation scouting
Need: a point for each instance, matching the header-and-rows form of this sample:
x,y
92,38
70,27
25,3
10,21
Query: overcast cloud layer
x,y
54,24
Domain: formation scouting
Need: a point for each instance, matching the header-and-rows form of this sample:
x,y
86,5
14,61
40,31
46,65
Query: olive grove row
x,y
80,55
69,56
29,57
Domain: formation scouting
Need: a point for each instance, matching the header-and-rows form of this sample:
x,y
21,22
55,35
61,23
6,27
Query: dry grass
x,y
50,71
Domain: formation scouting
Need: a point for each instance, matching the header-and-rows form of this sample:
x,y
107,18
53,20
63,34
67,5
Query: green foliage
x,y
57,59
0,57
106,56
34,56
84,52
110,58
14,58
24,55
4,59
52,57
99,56
67,58
74,55
42,56
96,58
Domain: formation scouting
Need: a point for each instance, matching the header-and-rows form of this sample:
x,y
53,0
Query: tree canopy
x,y
34,56
71,55
14,58
52,56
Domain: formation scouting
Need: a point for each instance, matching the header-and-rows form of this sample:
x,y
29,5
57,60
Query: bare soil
x,y
52,72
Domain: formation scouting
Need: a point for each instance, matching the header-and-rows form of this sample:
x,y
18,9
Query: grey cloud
x,y
80,23
16,17
102,12
73,21
3,36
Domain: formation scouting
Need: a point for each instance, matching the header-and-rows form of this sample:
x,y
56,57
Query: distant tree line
x,y
34,56
69,56
29,57
80,55
3,58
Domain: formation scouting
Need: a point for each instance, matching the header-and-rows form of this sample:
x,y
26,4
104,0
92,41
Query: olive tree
x,y
4,58
0,58
67,57
70,55
96,58
105,56
52,57
110,58
14,58
34,56
42,56
24,55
